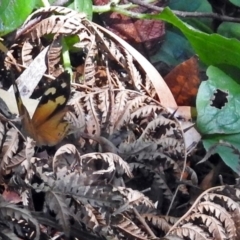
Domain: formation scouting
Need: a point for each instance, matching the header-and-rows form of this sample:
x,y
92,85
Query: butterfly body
x,y
47,126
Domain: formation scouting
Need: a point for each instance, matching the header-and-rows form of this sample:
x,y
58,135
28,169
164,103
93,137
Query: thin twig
x,y
188,14
144,223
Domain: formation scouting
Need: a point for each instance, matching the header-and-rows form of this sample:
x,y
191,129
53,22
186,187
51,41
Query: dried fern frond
x,y
159,222
136,198
66,156
56,202
79,187
15,218
98,45
6,233
121,126
115,163
124,226
211,216
10,147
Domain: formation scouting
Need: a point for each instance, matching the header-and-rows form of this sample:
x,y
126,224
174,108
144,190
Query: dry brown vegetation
x,y
125,151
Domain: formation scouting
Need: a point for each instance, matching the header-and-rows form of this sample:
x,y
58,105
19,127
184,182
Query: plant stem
x,y
114,6
46,3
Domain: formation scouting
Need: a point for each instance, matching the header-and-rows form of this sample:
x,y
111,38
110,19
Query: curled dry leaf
x,y
136,125
10,147
115,163
136,198
213,209
67,155
127,227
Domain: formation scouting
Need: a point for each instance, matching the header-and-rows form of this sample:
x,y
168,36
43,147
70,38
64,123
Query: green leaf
x,y
212,49
229,155
185,5
235,2
40,3
223,117
205,24
170,52
13,13
229,29
82,6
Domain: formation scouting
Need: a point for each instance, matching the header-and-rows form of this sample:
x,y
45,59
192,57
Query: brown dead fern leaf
x,y
95,42
214,215
122,132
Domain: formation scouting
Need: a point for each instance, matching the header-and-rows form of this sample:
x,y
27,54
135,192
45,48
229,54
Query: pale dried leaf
x,y
30,78
66,156
10,147
130,228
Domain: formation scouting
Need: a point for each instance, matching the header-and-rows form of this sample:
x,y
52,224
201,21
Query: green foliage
x,y
185,5
193,6
13,13
209,47
176,48
39,3
82,6
224,119
218,115
235,2
230,155
220,123
170,52
228,29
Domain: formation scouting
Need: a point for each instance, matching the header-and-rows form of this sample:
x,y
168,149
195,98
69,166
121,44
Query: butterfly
x,y
47,126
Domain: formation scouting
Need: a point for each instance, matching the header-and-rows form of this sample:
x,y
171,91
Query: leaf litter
x,y
125,158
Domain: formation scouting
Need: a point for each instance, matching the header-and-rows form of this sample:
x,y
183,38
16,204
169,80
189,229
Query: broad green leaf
x,y
39,3
205,24
171,52
82,6
229,29
212,49
223,116
185,5
235,2
13,13
228,154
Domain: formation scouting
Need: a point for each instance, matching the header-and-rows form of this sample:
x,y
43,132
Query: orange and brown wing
x,y
53,100
47,119
53,130
47,126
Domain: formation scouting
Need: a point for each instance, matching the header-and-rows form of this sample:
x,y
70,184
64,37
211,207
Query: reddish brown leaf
x,y
144,35
11,196
184,81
